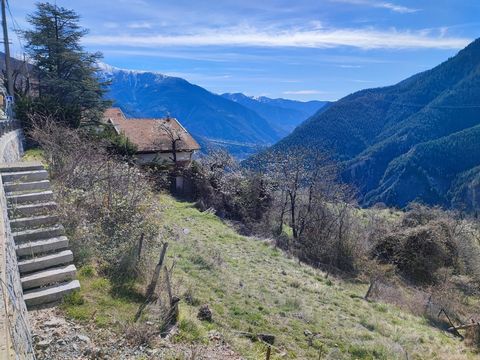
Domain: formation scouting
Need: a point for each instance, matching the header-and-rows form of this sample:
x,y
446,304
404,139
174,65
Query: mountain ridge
x,y
213,119
282,114
368,130
205,114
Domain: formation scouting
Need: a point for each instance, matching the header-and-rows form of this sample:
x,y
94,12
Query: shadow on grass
x,y
127,291
439,323
355,296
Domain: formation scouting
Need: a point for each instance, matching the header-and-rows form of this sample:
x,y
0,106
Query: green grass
x,y
34,154
252,287
101,302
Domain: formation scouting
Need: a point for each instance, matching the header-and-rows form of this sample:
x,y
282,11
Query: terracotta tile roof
x,y
148,134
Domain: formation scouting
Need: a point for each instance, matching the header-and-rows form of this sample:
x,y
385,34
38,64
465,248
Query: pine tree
x,y
68,86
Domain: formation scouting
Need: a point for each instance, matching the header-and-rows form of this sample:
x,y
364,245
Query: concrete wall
x,y
11,146
15,338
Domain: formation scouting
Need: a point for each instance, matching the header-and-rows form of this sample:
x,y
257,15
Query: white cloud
x,y
444,31
365,38
381,4
197,76
347,66
396,8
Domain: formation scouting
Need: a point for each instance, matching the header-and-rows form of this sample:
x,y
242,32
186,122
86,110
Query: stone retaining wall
x,y
15,335
11,146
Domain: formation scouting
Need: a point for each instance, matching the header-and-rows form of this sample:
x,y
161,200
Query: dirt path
x,y
59,338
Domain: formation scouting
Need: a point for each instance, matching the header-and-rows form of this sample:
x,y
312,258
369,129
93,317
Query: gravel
x,y
58,338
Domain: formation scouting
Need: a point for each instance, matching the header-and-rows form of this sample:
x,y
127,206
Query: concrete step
x,y
41,196
33,248
38,234
35,209
25,176
50,294
21,166
33,222
26,186
47,277
45,262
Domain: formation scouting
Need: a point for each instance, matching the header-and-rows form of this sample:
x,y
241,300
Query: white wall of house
x,y
163,157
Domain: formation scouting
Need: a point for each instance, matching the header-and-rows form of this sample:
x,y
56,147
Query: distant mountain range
x,y
213,119
417,140
282,115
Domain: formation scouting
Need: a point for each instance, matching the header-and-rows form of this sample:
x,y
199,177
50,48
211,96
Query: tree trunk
x,y
292,216
282,214
174,151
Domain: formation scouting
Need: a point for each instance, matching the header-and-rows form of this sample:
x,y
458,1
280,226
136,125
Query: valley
x,y
241,124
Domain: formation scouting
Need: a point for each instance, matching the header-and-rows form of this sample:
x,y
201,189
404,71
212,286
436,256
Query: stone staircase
x,y
44,260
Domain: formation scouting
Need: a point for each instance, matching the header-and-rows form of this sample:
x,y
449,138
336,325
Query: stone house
x,y
158,141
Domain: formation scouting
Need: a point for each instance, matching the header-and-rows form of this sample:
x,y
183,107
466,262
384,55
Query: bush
x,y
235,193
426,241
139,334
331,238
105,203
419,252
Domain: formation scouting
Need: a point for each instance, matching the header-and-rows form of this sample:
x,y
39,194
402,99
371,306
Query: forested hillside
x,y
377,133
209,117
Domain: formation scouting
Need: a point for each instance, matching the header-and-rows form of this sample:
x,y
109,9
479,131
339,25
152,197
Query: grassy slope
x,y
252,287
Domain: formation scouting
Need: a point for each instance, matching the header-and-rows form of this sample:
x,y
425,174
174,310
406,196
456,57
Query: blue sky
x,y
302,49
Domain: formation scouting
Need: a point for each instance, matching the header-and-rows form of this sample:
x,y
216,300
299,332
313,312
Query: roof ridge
x,y
146,135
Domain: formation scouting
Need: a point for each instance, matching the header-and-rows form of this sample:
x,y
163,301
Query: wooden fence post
x,y
153,284
140,245
269,340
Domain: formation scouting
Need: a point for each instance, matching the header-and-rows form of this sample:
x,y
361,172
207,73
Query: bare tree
x,y
173,134
287,170
318,206
302,178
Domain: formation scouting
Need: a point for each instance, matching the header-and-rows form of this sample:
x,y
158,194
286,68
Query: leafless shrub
x,y
438,252
420,251
407,298
139,334
428,240
377,274
105,203
472,336
444,298
235,193
310,201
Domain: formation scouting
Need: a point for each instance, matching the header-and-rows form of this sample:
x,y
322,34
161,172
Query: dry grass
x,y
256,288
252,287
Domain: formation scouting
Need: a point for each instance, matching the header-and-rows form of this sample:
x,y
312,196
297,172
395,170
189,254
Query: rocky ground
x,y
58,338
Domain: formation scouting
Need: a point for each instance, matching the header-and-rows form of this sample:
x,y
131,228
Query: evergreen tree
x,y
68,86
